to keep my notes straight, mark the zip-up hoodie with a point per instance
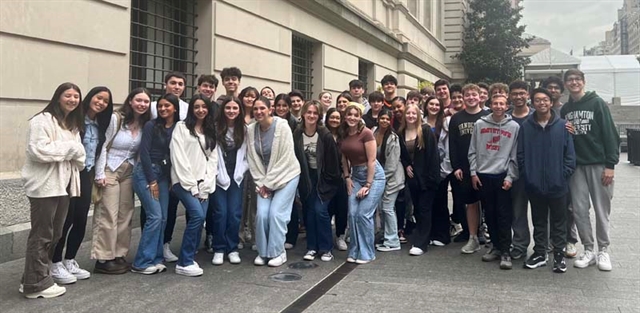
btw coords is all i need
(546, 158)
(596, 139)
(493, 148)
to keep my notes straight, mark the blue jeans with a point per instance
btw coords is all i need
(272, 217)
(197, 210)
(318, 223)
(389, 219)
(151, 240)
(361, 212)
(227, 212)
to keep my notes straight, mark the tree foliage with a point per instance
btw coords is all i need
(492, 40)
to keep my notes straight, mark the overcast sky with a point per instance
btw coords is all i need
(570, 24)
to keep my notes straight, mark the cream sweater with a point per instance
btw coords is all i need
(189, 165)
(283, 165)
(55, 157)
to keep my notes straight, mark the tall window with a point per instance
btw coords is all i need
(426, 20)
(363, 73)
(301, 62)
(413, 7)
(162, 41)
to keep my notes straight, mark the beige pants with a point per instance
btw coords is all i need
(112, 216)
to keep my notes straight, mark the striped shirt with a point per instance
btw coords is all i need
(123, 149)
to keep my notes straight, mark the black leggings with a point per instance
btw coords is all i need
(76, 220)
(338, 207)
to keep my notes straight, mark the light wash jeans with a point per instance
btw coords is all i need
(272, 218)
(389, 219)
(361, 212)
(151, 240)
(197, 210)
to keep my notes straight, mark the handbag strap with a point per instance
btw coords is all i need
(202, 148)
(118, 125)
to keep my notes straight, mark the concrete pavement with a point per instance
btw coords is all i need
(443, 280)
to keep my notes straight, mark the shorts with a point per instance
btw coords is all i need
(464, 190)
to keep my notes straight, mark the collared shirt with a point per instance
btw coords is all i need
(90, 142)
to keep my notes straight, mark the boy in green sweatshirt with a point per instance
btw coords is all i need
(596, 142)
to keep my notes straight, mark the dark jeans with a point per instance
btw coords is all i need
(318, 221)
(226, 218)
(293, 227)
(422, 210)
(498, 210)
(338, 207)
(193, 230)
(47, 220)
(440, 213)
(401, 208)
(547, 212)
(171, 217)
(76, 220)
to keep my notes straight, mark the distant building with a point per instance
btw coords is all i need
(624, 37)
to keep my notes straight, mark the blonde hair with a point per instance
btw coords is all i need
(418, 122)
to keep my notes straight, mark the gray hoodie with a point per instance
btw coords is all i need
(493, 148)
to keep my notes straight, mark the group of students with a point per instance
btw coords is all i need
(252, 159)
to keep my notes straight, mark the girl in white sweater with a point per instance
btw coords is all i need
(276, 172)
(194, 159)
(54, 158)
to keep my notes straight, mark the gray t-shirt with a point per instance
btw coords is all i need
(310, 144)
(264, 141)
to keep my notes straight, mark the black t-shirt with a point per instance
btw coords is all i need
(460, 131)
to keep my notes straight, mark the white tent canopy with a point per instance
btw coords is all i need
(613, 76)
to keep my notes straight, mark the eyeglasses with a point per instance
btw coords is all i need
(541, 101)
(519, 94)
(573, 79)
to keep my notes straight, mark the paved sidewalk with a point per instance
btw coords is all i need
(443, 280)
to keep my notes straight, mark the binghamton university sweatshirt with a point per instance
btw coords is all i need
(494, 146)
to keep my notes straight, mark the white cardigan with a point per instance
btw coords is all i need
(224, 181)
(55, 157)
(189, 163)
(283, 165)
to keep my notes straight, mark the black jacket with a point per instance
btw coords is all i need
(329, 170)
(426, 161)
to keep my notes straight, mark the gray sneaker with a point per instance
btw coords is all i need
(517, 254)
(491, 255)
(471, 247)
(505, 262)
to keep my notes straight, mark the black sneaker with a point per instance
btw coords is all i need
(208, 243)
(536, 260)
(505, 262)
(559, 265)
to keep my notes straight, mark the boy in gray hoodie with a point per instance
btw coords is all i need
(493, 164)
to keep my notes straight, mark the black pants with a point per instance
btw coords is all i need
(422, 210)
(76, 221)
(440, 213)
(459, 214)
(338, 208)
(547, 212)
(401, 208)
(496, 203)
(293, 228)
(171, 217)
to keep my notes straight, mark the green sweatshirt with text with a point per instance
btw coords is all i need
(596, 138)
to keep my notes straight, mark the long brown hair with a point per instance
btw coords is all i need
(343, 131)
(74, 121)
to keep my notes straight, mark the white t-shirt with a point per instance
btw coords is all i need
(184, 108)
(310, 144)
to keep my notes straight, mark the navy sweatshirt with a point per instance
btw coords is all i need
(546, 157)
(154, 148)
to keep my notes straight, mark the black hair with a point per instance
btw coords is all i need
(244, 92)
(356, 83)
(443, 82)
(211, 79)
(230, 72)
(282, 97)
(553, 80)
(264, 100)
(414, 94)
(455, 88)
(238, 124)
(126, 111)
(483, 85)
(267, 87)
(296, 93)
(175, 74)
(518, 84)
(326, 117)
(385, 137)
(540, 90)
(389, 79)
(208, 128)
(345, 95)
(74, 121)
(376, 96)
(399, 98)
(158, 128)
(103, 119)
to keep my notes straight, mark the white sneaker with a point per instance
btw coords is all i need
(161, 267)
(259, 261)
(145, 271)
(167, 254)
(234, 257)
(587, 258)
(51, 292)
(75, 270)
(604, 261)
(61, 275)
(472, 246)
(310, 255)
(279, 260)
(327, 257)
(341, 244)
(437, 243)
(192, 270)
(288, 246)
(415, 251)
(351, 260)
(364, 261)
(218, 258)
(570, 251)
